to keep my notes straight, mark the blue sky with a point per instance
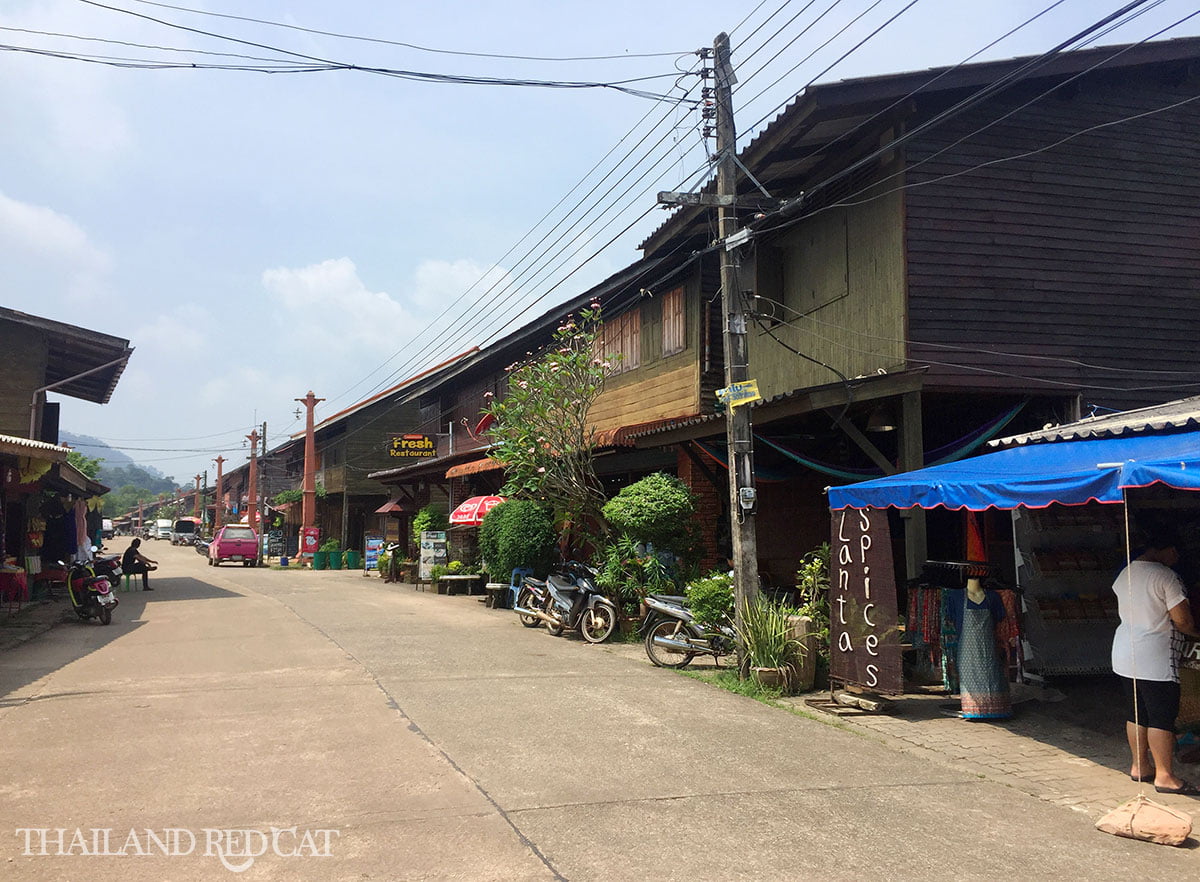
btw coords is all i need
(256, 236)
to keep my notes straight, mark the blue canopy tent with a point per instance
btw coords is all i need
(1037, 475)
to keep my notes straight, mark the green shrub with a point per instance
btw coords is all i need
(766, 635)
(437, 571)
(711, 599)
(627, 575)
(331, 545)
(432, 517)
(812, 584)
(517, 533)
(658, 509)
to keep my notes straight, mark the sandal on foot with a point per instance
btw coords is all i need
(1145, 779)
(1187, 788)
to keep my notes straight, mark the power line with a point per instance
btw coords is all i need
(497, 265)
(414, 46)
(1058, 85)
(422, 76)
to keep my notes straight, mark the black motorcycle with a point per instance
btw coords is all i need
(567, 599)
(673, 637)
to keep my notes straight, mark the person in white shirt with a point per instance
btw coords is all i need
(1154, 610)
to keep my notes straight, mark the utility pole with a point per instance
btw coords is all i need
(196, 507)
(308, 510)
(252, 502)
(261, 508)
(738, 438)
(219, 508)
(204, 502)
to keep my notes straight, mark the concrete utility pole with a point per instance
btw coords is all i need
(308, 510)
(196, 508)
(219, 508)
(252, 502)
(739, 443)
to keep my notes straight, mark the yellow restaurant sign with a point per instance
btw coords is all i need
(410, 446)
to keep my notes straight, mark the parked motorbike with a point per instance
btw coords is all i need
(91, 594)
(673, 637)
(201, 546)
(570, 599)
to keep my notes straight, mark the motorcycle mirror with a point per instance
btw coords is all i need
(94, 549)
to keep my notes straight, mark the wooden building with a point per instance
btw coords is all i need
(956, 248)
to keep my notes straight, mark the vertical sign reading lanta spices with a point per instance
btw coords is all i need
(864, 640)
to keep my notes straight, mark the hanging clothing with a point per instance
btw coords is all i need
(951, 601)
(982, 674)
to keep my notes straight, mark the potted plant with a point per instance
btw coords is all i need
(768, 642)
(333, 549)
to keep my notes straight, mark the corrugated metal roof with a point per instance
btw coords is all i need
(1180, 415)
(15, 446)
(76, 357)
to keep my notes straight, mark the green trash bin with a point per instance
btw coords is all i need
(354, 560)
(320, 560)
(335, 560)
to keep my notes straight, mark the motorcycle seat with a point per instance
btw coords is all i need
(536, 583)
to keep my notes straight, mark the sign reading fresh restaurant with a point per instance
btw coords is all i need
(411, 446)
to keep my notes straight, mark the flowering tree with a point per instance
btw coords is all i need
(541, 434)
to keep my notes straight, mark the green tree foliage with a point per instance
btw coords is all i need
(432, 517)
(711, 599)
(517, 533)
(541, 434)
(658, 509)
(89, 465)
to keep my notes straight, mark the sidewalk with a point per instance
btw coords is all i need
(33, 618)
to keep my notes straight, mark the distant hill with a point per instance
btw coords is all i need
(118, 468)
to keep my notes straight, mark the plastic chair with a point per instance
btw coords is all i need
(514, 584)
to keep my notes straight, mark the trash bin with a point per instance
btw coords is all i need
(283, 561)
(335, 560)
(320, 560)
(354, 560)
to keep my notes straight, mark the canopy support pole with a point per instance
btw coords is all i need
(912, 457)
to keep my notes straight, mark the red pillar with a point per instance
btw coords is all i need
(219, 508)
(308, 510)
(252, 503)
(141, 519)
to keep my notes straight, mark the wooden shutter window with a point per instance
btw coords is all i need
(673, 328)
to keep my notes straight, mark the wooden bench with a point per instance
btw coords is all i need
(466, 583)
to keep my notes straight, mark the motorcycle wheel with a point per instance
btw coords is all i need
(661, 656)
(555, 630)
(525, 600)
(597, 624)
(105, 615)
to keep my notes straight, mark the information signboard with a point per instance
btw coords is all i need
(411, 446)
(433, 551)
(864, 637)
(373, 547)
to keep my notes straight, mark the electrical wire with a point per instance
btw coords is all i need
(981, 95)
(414, 46)
(849, 200)
(974, 350)
(496, 266)
(422, 76)
(900, 102)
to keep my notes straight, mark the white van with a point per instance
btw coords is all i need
(162, 528)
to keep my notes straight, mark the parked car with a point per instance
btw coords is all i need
(185, 531)
(234, 542)
(162, 528)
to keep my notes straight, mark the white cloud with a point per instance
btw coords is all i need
(48, 242)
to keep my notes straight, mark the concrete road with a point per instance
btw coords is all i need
(283, 725)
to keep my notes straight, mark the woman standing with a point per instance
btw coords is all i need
(1154, 613)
